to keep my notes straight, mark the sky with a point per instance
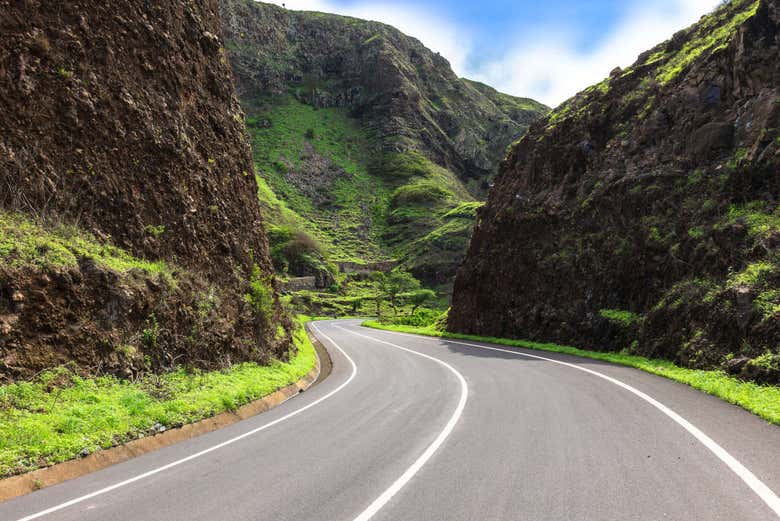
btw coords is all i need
(543, 49)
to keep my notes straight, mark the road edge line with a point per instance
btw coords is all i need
(203, 452)
(766, 494)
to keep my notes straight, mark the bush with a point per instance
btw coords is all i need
(619, 316)
(295, 251)
(423, 317)
(261, 294)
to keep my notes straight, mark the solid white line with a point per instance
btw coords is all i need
(399, 483)
(759, 487)
(205, 451)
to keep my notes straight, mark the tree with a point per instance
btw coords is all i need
(392, 285)
(376, 278)
(419, 298)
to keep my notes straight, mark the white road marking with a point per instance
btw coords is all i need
(399, 483)
(205, 451)
(759, 487)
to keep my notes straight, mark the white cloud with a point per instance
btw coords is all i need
(548, 64)
(551, 68)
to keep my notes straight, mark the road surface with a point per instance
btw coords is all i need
(411, 428)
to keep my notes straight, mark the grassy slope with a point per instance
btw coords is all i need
(281, 128)
(373, 206)
(761, 400)
(59, 415)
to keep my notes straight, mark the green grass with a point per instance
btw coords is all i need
(465, 210)
(24, 243)
(760, 220)
(58, 415)
(713, 34)
(372, 206)
(420, 193)
(763, 401)
(754, 274)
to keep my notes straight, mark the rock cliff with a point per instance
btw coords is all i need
(122, 138)
(643, 213)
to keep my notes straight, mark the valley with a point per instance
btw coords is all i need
(259, 262)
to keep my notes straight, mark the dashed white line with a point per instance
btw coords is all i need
(399, 483)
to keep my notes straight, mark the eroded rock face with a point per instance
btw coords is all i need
(122, 119)
(653, 193)
(127, 118)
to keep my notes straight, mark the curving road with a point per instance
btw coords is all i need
(420, 429)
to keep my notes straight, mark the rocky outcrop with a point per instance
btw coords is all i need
(122, 120)
(643, 213)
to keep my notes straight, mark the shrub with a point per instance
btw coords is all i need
(294, 250)
(619, 316)
(261, 294)
(151, 334)
(155, 231)
(755, 274)
(422, 317)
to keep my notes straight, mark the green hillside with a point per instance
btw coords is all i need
(367, 147)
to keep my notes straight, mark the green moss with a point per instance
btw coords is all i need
(768, 303)
(59, 414)
(655, 234)
(619, 316)
(261, 294)
(768, 361)
(739, 157)
(696, 232)
(155, 231)
(464, 210)
(755, 274)
(696, 177)
(761, 221)
(26, 243)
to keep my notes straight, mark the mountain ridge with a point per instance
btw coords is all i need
(333, 100)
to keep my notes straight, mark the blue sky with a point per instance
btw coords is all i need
(545, 49)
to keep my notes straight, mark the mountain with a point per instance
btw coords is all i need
(365, 140)
(130, 232)
(643, 213)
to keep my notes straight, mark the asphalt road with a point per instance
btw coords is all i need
(410, 428)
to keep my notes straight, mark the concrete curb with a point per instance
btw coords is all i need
(22, 484)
